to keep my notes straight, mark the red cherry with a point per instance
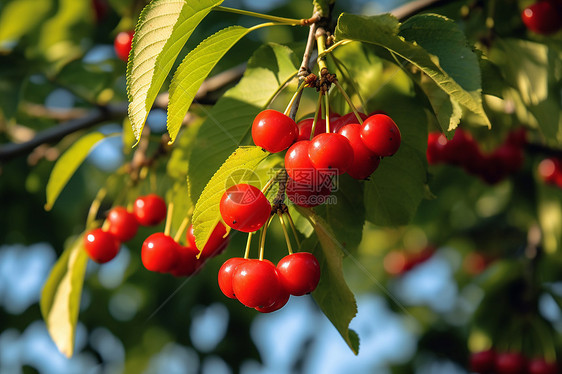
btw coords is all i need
(280, 300)
(225, 275)
(549, 170)
(395, 262)
(274, 131)
(187, 263)
(436, 143)
(306, 195)
(517, 137)
(460, 150)
(305, 128)
(299, 273)
(122, 223)
(542, 17)
(244, 207)
(540, 366)
(149, 210)
(330, 153)
(483, 362)
(216, 243)
(510, 156)
(493, 169)
(365, 162)
(122, 44)
(101, 246)
(347, 119)
(159, 252)
(381, 135)
(255, 283)
(475, 263)
(510, 363)
(299, 167)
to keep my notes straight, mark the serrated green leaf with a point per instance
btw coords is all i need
(447, 110)
(397, 187)
(229, 122)
(194, 69)
(60, 298)
(164, 27)
(238, 168)
(333, 295)
(67, 165)
(432, 43)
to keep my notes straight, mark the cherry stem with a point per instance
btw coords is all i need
(292, 101)
(303, 70)
(182, 228)
(248, 242)
(168, 226)
(327, 112)
(262, 239)
(318, 109)
(345, 73)
(95, 207)
(105, 225)
(344, 94)
(334, 46)
(321, 44)
(283, 20)
(294, 229)
(289, 247)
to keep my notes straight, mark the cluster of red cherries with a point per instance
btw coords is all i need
(543, 17)
(492, 362)
(160, 252)
(550, 170)
(462, 150)
(261, 285)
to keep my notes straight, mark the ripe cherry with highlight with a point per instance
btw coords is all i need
(101, 246)
(149, 210)
(381, 135)
(122, 223)
(299, 273)
(244, 207)
(159, 253)
(274, 131)
(122, 44)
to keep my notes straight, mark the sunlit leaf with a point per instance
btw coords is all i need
(229, 122)
(332, 294)
(238, 168)
(164, 27)
(13, 26)
(60, 298)
(67, 165)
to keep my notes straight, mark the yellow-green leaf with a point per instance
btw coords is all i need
(238, 168)
(67, 165)
(60, 298)
(164, 27)
(194, 69)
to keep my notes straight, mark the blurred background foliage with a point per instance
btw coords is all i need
(488, 265)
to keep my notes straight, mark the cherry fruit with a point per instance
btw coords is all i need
(225, 275)
(256, 283)
(365, 162)
(540, 366)
(299, 273)
(298, 164)
(187, 263)
(216, 243)
(510, 363)
(102, 246)
(347, 119)
(543, 17)
(159, 253)
(483, 362)
(122, 223)
(281, 299)
(330, 153)
(305, 128)
(149, 210)
(244, 207)
(274, 131)
(122, 44)
(381, 135)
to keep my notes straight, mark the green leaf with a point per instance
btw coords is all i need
(397, 187)
(60, 298)
(238, 168)
(67, 165)
(333, 295)
(164, 27)
(229, 122)
(322, 6)
(194, 69)
(346, 212)
(447, 110)
(432, 43)
(13, 26)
